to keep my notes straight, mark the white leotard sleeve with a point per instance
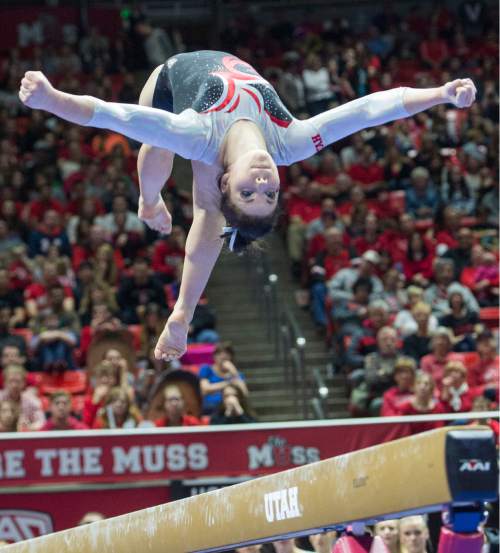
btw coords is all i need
(305, 138)
(186, 134)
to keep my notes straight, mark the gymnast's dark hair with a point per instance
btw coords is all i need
(249, 227)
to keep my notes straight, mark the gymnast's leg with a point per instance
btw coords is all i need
(154, 166)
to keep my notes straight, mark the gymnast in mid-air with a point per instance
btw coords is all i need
(217, 111)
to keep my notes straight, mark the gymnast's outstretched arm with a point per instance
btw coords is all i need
(186, 134)
(307, 137)
(203, 247)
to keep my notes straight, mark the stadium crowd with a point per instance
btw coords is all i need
(393, 232)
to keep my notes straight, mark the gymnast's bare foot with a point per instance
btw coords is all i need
(156, 216)
(172, 341)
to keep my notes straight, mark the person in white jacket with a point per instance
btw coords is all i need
(217, 111)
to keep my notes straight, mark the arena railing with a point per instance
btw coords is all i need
(283, 330)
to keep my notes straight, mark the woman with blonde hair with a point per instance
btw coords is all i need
(105, 266)
(118, 412)
(98, 293)
(413, 535)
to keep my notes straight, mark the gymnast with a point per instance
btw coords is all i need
(217, 111)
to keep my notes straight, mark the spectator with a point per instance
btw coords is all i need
(327, 219)
(340, 286)
(367, 172)
(404, 376)
(461, 255)
(49, 234)
(404, 322)
(291, 86)
(105, 267)
(36, 295)
(318, 89)
(393, 293)
(9, 416)
(484, 372)
(417, 344)
(388, 530)
(396, 241)
(417, 265)
(60, 414)
(120, 206)
(456, 192)
(369, 240)
(157, 44)
(460, 320)
(118, 412)
(97, 293)
(11, 298)
(413, 534)
(377, 376)
(7, 337)
(433, 50)
(233, 409)
(323, 542)
(105, 377)
(441, 345)
(136, 291)
(168, 255)
(175, 413)
(436, 294)
(327, 263)
(214, 378)
(423, 403)
(455, 393)
(421, 197)
(350, 314)
(31, 415)
(55, 334)
(486, 280)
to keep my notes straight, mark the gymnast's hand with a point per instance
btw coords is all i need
(460, 92)
(36, 91)
(156, 216)
(172, 342)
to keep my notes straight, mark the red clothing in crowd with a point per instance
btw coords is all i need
(38, 292)
(396, 243)
(305, 210)
(407, 409)
(435, 367)
(366, 174)
(484, 373)
(36, 209)
(81, 254)
(187, 420)
(166, 258)
(434, 50)
(423, 267)
(466, 400)
(362, 245)
(90, 410)
(445, 237)
(393, 399)
(72, 424)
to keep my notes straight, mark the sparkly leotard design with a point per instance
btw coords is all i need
(209, 81)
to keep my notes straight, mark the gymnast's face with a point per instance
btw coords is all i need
(253, 183)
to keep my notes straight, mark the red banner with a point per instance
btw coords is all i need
(28, 515)
(166, 454)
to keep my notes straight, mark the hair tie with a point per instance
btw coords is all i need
(230, 231)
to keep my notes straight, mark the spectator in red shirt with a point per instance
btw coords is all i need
(455, 395)
(396, 240)
(35, 210)
(118, 412)
(404, 376)
(368, 173)
(433, 50)
(441, 345)
(60, 414)
(423, 403)
(327, 171)
(168, 255)
(418, 263)
(327, 263)
(175, 414)
(105, 377)
(447, 235)
(369, 239)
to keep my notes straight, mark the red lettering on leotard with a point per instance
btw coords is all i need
(318, 142)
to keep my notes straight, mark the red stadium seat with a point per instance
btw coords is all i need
(489, 316)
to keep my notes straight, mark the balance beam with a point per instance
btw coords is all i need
(422, 473)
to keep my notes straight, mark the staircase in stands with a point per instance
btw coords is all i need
(239, 320)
